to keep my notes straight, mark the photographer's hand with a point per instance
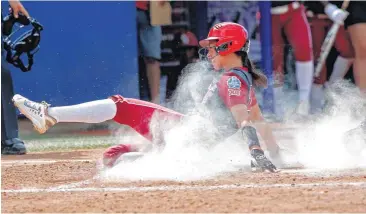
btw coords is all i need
(17, 8)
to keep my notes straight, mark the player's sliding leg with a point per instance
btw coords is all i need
(131, 112)
(138, 115)
(44, 117)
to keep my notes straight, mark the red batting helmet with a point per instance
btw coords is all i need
(231, 37)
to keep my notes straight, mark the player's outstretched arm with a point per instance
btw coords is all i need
(249, 133)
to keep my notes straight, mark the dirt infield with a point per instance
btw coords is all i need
(67, 182)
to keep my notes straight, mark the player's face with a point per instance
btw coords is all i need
(214, 57)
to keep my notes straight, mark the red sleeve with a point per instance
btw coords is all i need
(233, 90)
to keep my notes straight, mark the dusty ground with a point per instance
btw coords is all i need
(67, 182)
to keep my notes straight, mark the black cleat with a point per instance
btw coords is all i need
(13, 147)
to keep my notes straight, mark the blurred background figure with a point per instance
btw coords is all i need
(356, 26)
(10, 142)
(149, 40)
(186, 50)
(289, 22)
(320, 23)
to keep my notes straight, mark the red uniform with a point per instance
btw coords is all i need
(231, 97)
(231, 89)
(288, 18)
(226, 90)
(320, 24)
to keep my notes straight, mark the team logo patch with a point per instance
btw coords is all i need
(234, 85)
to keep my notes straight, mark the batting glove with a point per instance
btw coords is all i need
(335, 14)
(261, 162)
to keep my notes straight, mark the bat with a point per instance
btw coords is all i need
(328, 43)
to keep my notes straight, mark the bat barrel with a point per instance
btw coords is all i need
(325, 49)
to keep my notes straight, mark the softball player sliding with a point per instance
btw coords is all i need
(232, 94)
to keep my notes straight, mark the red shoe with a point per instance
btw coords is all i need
(111, 155)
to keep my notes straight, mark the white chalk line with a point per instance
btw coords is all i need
(186, 187)
(97, 177)
(20, 162)
(73, 187)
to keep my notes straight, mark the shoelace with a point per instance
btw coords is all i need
(45, 104)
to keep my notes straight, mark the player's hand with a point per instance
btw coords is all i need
(17, 7)
(261, 162)
(335, 14)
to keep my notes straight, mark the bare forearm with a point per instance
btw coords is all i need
(266, 133)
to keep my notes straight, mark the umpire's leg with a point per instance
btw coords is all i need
(10, 144)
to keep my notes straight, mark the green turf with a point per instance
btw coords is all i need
(66, 138)
(66, 143)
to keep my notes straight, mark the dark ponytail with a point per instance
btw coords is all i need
(259, 79)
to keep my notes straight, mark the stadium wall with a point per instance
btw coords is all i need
(88, 51)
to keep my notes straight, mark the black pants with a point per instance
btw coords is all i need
(9, 122)
(357, 13)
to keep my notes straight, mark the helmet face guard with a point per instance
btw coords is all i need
(222, 49)
(27, 42)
